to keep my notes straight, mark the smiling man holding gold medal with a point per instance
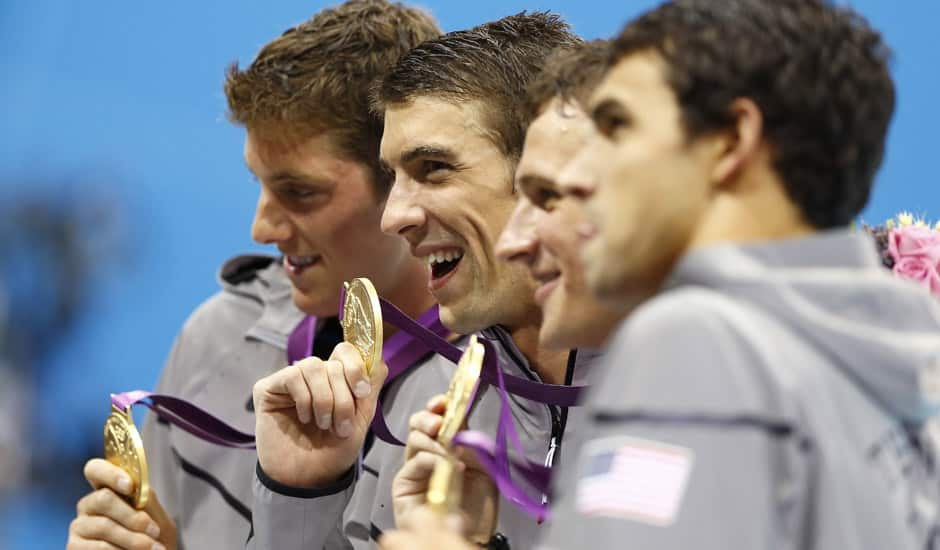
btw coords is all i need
(452, 195)
(541, 236)
(312, 144)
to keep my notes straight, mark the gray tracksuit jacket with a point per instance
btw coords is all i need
(233, 339)
(355, 510)
(777, 395)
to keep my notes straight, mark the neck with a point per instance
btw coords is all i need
(551, 365)
(760, 211)
(410, 295)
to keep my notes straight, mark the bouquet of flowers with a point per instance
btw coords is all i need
(910, 247)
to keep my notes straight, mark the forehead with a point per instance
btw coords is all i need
(271, 144)
(428, 121)
(554, 136)
(638, 80)
(269, 155)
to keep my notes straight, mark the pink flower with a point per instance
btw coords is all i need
(920, 271)
(916, 254)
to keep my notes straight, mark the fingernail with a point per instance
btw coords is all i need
(304, 416)
(344, 428)
(124, 484)
(324, 421)
(362, 389)
(153, 531)
(157, 546)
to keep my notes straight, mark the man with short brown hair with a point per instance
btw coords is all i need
(312, 144)
(459, 121)
(542, 232)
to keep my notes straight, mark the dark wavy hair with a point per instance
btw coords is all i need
(818, 73)
(491, 63)
(570, 73)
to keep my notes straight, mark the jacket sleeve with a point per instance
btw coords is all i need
(286, 518)
(686, 445)
(163, 469)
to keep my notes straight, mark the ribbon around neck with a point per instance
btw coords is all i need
(401, 351)
(494, 455)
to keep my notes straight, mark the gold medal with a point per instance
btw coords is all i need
(362, 321)
(445, 485)
(124, 448)
(461, 390)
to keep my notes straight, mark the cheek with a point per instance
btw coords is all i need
(567, 254)
(353, 228)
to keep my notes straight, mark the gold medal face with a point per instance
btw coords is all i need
(445, 485)
(461, 390)
(362, 321)
(124, 448)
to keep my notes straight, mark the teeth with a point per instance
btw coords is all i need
(301, 261)
(443, 256)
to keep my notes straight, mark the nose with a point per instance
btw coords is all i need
(518, 242)
(577, 178)
(403, 213)
(271, 225)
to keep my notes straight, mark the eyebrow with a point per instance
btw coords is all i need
(288, 176)
(427, 152)
(535, 180)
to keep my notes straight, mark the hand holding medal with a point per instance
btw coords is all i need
(445, 485)
(124, 448)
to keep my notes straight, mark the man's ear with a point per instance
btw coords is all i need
(741, 143)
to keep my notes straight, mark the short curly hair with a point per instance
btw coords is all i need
(316, 76)
(818, 73)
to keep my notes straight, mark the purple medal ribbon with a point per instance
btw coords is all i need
(414, 340)
(400, 352)
(549, 394)
(494, 454)
(188, 417)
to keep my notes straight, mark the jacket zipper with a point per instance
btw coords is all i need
(559, 419)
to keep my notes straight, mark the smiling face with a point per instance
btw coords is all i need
(322, 213)
(653, 184)
(452, 196)
(542, 232)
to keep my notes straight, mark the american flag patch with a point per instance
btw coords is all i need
(631, 478)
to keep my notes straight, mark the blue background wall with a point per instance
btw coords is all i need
(122, 101)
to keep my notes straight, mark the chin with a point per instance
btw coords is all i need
(461, 319)
(315, 304)
(551, 338)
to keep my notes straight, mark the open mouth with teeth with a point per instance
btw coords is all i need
(443, 263)
(296, 264)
